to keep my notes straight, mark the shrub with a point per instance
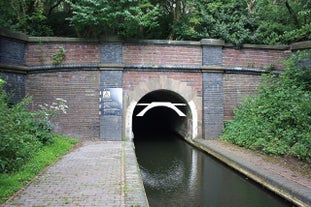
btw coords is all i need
(278, 119)
(22, 133)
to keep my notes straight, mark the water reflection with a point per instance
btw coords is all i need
(176, 174)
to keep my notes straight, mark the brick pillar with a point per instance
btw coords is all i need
(12, 61)
(213, 100)
(111, 95)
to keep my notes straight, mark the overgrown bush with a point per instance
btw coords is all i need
(22, 133)
(278, 119)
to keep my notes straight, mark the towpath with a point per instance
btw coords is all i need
(99, 173)
(283, 178)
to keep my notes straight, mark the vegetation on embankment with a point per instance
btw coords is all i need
(277, 120)
(47, 155)
(27, 144)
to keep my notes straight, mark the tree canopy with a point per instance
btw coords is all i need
(235, 21)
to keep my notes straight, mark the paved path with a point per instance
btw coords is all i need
(98, 173)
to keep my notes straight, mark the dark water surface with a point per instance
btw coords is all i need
(177, 174)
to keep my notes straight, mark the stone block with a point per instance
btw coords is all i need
(12, 52)
(111, 128)
(111, 53)
(212, 55)
(15, 85)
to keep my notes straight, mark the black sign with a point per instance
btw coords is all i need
(111, 101)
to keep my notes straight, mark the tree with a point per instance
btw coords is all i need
(127, 18)
(36, 17)
(283, 21)
(228, 20)
(246, 21)
(25, 16)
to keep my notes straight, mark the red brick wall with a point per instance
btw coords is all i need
(153, 55)
(162, 55)
(80, 89)
(253, 58)
(131, 79)
(76, 53)
(236, 87)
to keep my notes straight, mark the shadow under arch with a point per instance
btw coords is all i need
(162, 118)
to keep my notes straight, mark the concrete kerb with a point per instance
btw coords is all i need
(134, 191)
(291, 191)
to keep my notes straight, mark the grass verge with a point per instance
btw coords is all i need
(11, 183)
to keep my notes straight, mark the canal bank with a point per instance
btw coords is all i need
(107, 174)
(278, 179)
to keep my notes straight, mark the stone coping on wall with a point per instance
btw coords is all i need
(222, 69)
(259, 46)
(62, 67)
(212, 42)
(111, 66)
(121, 67)
(13, 35)
(61, 40)
(163, 42)
(204, 42)
(301, 45)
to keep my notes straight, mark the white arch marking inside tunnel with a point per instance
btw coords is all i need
(159, 104)
(128, 123)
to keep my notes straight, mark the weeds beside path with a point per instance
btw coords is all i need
(13, 182)
(294, 166)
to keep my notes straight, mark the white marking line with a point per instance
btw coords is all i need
(158, 104)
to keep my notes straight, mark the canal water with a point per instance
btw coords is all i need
(177, 174)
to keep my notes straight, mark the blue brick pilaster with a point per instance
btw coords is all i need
(213, 101)
(12, 63)
(111, 95)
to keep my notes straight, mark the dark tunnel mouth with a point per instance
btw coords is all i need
(161, 120)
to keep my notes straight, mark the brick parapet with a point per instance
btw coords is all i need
(254, 58)
(39, 54)
(155, 53)
(162, 55)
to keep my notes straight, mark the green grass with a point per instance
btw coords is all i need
(11, 183)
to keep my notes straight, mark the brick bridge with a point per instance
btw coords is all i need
(108, 82)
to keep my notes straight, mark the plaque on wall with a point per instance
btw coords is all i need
(112, 101)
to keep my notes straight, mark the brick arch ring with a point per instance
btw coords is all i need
(164, 83)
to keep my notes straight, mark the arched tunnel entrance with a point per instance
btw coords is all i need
(161, 112)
